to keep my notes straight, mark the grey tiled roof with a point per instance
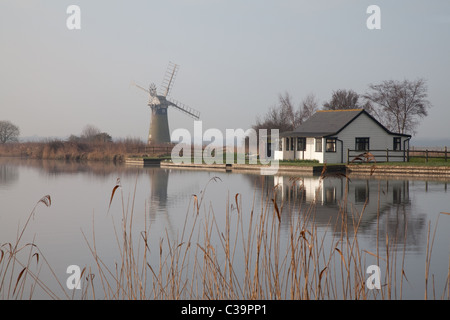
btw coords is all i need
(325, 123)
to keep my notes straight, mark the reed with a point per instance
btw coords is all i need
(21, 264)
(74, 150)
(274, 250)
(234, 254)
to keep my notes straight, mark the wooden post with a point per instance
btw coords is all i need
(387, 155)
(348, 155)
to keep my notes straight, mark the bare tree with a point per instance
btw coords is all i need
(289, 113)
(309, 106)
(89, 132)
(399, 104)
(8, 132)
(285, 116)
(342, 99)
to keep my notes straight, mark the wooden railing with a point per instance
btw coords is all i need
(387, 155)
(153, 149)
(380, 155)
(427, 154)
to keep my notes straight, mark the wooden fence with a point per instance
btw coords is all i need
(396, 155)
(166, 149)
(434, 153)
(153, 149)
(384, 155)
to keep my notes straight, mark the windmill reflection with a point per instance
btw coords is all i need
(159, 203)
(168, 194)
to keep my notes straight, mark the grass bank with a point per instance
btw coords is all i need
(413, 161)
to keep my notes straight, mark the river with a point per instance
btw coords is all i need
(85, 205)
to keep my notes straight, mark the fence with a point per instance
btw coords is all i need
(153, 149)
(384, 155)
(435, 153)
(395, 155)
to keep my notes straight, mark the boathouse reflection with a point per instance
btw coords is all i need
(371, 206)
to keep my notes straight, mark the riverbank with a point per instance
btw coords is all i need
(133, 153)
(301, 169)
(116, 151)
(403, 169)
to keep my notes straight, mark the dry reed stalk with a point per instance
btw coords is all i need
(300, 268)
(12, 286)
(201, 262)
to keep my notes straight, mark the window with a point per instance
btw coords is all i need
(397, 195)
(330, 195)
(330, 145)
(397, 143)
(361, 193)
(301, 144)
(362, 144)
(269, 148)
(292, 144)
(318, 144)
(287, 144)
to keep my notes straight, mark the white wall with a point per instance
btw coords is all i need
(310, 185)
(364, 127)
(308, 154)
(361, 127)
(311, 153)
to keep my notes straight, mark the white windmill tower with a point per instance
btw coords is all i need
(159, 103)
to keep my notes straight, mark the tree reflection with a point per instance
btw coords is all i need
(376, 208)
(8, 174)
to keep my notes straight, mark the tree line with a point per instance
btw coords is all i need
(9, 132)
(398, 105)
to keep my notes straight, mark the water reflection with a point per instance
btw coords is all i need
(159, 205)
(382, 208)
(8, 175)
(60, 167)
(377, 209)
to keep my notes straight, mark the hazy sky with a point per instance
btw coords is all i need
(235, 57)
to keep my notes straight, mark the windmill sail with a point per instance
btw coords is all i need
(142, 88)
(184, 108)
(169, 79)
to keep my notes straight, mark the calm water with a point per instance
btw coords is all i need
(161, 199)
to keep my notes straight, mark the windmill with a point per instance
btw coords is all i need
(159, 102)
